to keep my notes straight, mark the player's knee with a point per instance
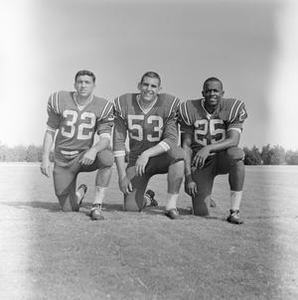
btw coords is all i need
(130, 203)
(177, 153)
(235, 154)
(105, 159)
(200, 207)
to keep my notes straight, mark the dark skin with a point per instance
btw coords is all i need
(212, 92)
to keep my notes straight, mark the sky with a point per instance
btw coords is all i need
(252, 46)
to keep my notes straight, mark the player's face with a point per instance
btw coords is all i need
(149, 88)
(84, 85)
(213, 92)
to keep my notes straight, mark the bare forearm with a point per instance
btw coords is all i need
(47, 143)
(102, 144)
(154, 151)
(231, 141)
(186, 145)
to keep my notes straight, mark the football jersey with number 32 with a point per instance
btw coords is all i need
(77, 125)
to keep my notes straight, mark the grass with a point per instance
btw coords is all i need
(47, 254)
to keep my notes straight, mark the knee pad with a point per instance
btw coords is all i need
(235, 153)
(105, 159)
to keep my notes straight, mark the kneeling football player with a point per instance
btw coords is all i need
(210, 132)
(149, 118)
(74, 118)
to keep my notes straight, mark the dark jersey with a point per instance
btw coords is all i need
(77, 125)
(145, 128)
(207, 128)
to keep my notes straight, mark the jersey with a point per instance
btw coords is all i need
(77, 125)
(145, 128)
(207, 128)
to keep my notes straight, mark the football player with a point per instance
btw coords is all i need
(74, 119)
(150, 119)
(210, 132)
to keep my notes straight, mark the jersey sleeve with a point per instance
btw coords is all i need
(54, 113)
(183, 118)
(170, 133)
(120, 130)
(237, 116)
(106, 120)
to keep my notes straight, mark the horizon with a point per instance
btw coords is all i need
(251, 46)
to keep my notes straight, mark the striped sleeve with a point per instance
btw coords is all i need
(120, 130)
(54, 112)
(170, 133)
(106, 120)
(184, 119)
(237, 115)
(183, 115)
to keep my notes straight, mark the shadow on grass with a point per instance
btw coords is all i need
(54, 207)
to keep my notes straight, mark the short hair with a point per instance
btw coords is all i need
(151, 74)
(85, 72)
(212, 79)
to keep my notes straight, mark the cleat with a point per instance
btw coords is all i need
(234, 217)
(84, 187)
(96, 213)
(149, 198)
(172, 214)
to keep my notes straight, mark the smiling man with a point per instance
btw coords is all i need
(211, 128)
(150, 119)
(74, 119)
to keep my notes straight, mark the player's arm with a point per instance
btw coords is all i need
(169, 139)
(53, 124)
(187, 132)
(119, 137)
(48, 142)
(190, 185)
(104, 131)
(232, 140)
(143, 159)
(103, 143)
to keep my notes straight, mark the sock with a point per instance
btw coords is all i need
(99, 194)
(235, 199)
(171, 201)
(80, 194)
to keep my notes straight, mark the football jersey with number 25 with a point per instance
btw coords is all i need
(209, 128)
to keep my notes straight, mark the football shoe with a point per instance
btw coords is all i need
(149, 200)
(96, 212)
(234, 217)
(173, 214)
(84, 187)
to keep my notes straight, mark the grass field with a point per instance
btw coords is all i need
(47, 254)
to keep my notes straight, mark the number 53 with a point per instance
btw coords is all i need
(136, 129)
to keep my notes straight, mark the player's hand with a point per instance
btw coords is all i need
(125, 185)
(200, 158)
(89, 157)
(141, 164)
(191, 188)
(45, 166)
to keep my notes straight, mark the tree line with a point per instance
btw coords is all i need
(268, 155)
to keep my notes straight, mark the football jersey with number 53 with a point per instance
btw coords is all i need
(77, 124)
(207, 128)
(146, 128)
